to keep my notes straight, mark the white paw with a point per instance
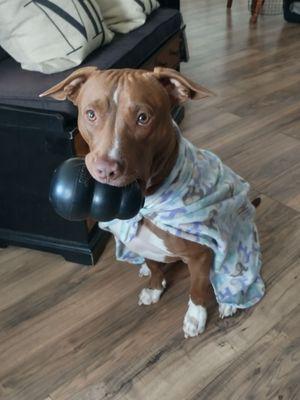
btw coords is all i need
(144, 271)
(226, 310)
(151, 296)
(194, 320)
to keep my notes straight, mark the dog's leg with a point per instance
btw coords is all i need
(144, 270)
(226, 310)
(157, 284)
(195, 317)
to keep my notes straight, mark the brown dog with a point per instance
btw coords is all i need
(125, 118)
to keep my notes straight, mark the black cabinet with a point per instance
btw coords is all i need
(32, 145)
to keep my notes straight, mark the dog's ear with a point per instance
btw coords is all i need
(69, 87)
(180, 88)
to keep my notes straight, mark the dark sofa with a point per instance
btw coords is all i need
(37, 134)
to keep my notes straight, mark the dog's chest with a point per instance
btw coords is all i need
(147, 244)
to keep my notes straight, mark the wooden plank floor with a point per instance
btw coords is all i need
(72, 333)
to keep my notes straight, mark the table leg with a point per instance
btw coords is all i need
(229, 3)
(255, 8)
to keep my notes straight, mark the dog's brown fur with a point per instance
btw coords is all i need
(146, 152)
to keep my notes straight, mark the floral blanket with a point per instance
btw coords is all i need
(204, 201)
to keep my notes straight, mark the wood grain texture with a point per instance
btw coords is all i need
(69, 332)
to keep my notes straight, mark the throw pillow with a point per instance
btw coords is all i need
(123, 16)
(51, 35)
(148, 5)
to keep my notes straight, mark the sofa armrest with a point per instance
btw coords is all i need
(170, 3)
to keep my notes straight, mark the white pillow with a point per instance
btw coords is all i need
(123, 16)
(51, 35)
(150, 5)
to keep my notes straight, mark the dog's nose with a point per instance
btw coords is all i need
(108, 168)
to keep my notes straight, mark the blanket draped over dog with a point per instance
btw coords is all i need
(204, 201)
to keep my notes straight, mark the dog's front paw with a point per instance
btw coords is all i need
(194, 320)
(226, 310)
(151, 296)
(144, 270)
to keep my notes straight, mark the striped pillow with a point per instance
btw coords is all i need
(123, 16)
(51, 35)
(148, 5)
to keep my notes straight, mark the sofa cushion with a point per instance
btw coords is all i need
(51, 36)
(21, 88)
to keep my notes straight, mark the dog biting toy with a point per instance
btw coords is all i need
(75, 195)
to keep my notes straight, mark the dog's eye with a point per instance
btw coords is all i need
(143, 119)
(91, 115)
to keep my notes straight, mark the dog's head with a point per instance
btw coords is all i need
(125, 117)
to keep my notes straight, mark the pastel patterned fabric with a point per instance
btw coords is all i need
(204, 201)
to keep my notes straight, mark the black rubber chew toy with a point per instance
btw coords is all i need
(75, 195)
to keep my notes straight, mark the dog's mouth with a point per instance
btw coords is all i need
(121, 181)
(127, 177)
(118, 182)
